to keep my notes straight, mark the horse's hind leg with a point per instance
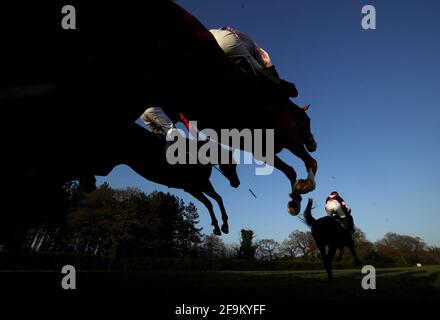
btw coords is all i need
(293, 206)
(210, 191)
(341, 253)
(288, 171)
(305, 186)
(328, 253)
(203, 199)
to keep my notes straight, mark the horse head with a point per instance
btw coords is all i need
(230, 172)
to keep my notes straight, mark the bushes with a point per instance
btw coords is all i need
(55, 261)
(50, 261)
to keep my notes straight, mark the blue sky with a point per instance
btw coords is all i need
(375, 113)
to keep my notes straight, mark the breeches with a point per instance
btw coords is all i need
(334, 207)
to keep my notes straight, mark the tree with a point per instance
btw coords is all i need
(98, 223)
(247, 248)
(33, 200)
(129, 222)
(299, 244)
(267, 249)
(402, 249)
(364, 248)
(213, 246)
(433, 255)
(188, 236)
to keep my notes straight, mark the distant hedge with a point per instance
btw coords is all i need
(55, 261)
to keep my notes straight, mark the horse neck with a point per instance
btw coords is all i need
(236, 119)
(228, 170)
(310, 220)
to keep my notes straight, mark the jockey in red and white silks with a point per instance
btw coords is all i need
(334, 204)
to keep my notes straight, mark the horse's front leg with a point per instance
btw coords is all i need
(198, 194)
(293, 206)
(304, 186)
(288, 171)
(341, 253)
(210, 191)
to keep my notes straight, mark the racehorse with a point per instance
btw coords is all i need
(329, 235)
(145, 153)
(64, 93)
(292, 131)
(247, 102)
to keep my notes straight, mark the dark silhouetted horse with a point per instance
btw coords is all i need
(292, 131)
(145, 153)
(66, 95)
(329, 235)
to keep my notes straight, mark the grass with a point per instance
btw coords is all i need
(157, 295)
(396, 284)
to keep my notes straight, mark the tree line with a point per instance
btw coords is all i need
(119, 224)
(127, 222)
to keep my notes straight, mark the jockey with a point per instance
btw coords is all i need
(236, 44)
(157, 121)
(335, 205)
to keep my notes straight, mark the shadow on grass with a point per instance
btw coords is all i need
(257, 286)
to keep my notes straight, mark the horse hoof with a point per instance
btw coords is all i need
(295, 196)
(225, 229)
(294, 207)
(304, 186)
(217, 232)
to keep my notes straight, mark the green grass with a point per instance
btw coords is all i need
(396, 284)
(391, 284)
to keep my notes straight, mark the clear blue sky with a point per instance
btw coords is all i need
(375, 113)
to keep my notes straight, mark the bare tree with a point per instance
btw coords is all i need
(434, 254)
(213, 246)
(267, 249)
(299, 244)
(401, 248)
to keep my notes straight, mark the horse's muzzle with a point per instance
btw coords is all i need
(311, 145)
(235, 183)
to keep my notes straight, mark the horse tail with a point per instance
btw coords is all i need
(308, 213)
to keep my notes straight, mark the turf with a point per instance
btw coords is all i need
(396, 284)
